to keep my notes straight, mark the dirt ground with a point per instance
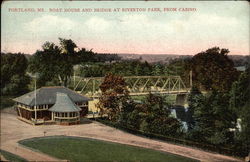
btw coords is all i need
(13, 130)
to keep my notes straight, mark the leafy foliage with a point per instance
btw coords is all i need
(114, 95)
(14, 79)
(153, 116)
(56, 62)
(240, 92)
(240, 105)
(244, 138)
(135, 68)
(180, 67)
(213, 118)
(194, 101)
(213, 70)
(125, 68)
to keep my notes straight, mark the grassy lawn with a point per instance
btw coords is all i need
(84, 149)
(12, 157)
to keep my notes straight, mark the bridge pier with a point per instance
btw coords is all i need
(181, 100)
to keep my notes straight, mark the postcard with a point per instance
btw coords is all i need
(125, 80)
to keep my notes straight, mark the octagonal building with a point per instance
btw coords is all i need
(52, 105)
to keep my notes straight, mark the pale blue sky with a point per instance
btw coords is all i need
(223, 23)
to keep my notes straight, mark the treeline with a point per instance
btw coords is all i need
(131, 68)
(53, 65)
(240, 60)
(56, 64)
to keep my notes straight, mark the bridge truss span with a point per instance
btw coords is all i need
(137, 85)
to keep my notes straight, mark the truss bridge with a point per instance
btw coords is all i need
(137, 85)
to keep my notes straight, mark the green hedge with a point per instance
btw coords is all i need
(208, 147)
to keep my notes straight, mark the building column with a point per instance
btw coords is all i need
(52, 116)
(18, 109)
(35, 112)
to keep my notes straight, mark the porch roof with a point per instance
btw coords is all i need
(64, 104)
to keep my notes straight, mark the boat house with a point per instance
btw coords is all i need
(58, 105)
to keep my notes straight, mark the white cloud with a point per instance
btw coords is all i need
(205, 28)
(50, 24)
(97, 24)
(144, 27)
(189, 29)
(142, 22)
(136, 18)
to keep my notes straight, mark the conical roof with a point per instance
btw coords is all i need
(64, 104)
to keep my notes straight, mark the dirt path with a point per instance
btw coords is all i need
(13, 130)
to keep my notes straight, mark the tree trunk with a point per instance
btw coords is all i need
(60, 79)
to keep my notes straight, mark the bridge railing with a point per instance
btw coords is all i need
(137, 85)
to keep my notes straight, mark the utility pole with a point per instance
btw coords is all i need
(191, 78)
(35, 101)
(74, 78)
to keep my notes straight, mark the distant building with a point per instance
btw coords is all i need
(241, 68)
(52, 105)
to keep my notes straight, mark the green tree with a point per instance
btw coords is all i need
(114, 96)
(157, 69)
(213, 70)
(138, 70)
(213, 119)
(243, 136)
(180, 67)
(130, 115)
(56, 62)
(156, 117)
(223, 119)
(147, 69)
(14, 79)
(240, 105)
(17, 85)
(194, 101)
(240, 92)
(67, 46)
(46, 62)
